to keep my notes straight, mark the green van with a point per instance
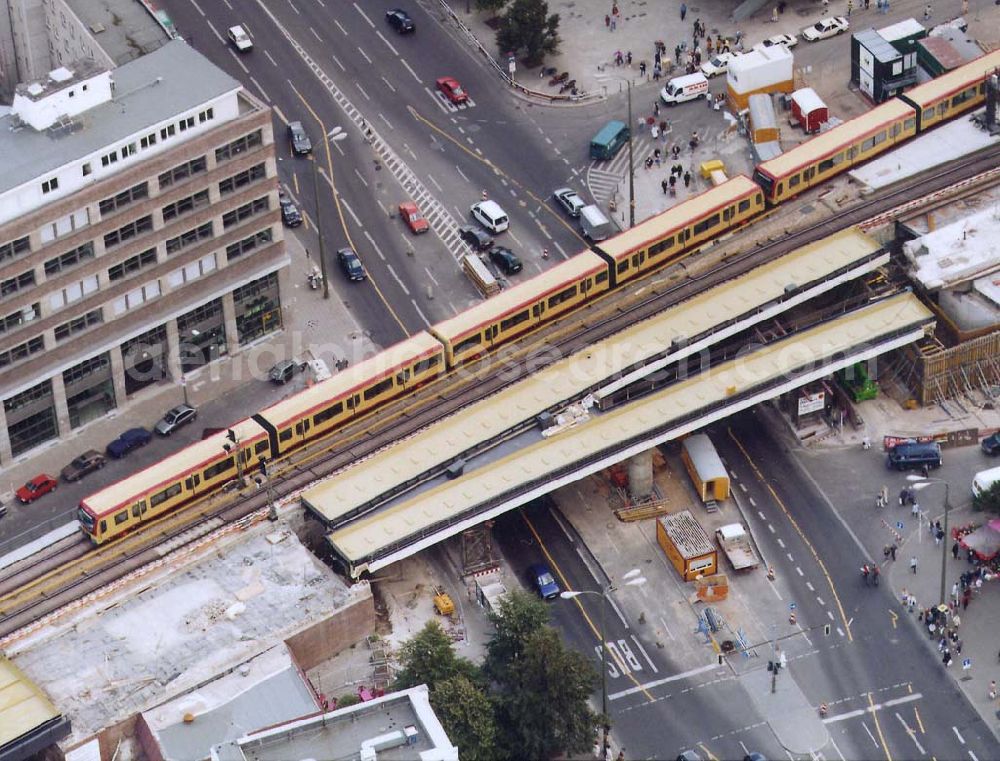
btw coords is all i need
(609, 141)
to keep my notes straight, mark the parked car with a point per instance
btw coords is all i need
(452, 90)
(240, 39)
(83, 465)
(301, 144)
(717, 65)
(788, 40)
(175, 418)
(133, 438)
(400, 21)
(545, 584)
(37, 487)
(351, 264)
(827, 27)
(285, 370)
(290, 215)
(506, 260)
(479, 239)
(413, 218)
(570, 200)
(991, 445)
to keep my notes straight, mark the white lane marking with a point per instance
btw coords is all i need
(350, 211)
(421, 313)
(242, 65)
(388, 84)
(870, 735)
(958, 735)
(774, 588)
(407, 66)
(841, 632)
(515, 238)
(761, 515)
(364, 55)
(363, 15)
(431, 277)
(559, 248)
(273, 62)
(830, 616)
(877, 707)
(387, 123)
(215, 32)
(820, 600)
(336, 61)
(771, 528)
(398, 280)
(621, 616)
(660, 682)
(790, 558)
(316, 34)
(360, 177)
(435, 183)
(669, 633)
(781, 544)
(799, 571)
(810, 587)
(362, 90)
(642, 650)
(973, 756)
(341, 27)
(292, 6)
(752, 503)
(375, 246)
(261, 88)
(910, 732)
(394, 51)
(197, 7)
(836, 748)
(459, 170)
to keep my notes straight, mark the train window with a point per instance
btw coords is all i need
(261, 447)
(602, 277)
(104, 526)
(809, 173)
(222, 466)
(379, 388)
(285, 435)
(706, 224)
(927, 114)
(492, 332)
(189, 483)
(661, 246)
(301, 428)
(516, 319)
(403, 376)
(562, 296)
(728, 213)
(585, 285)
(745, 205)
(780, 190)
(332, 411)
(638, 259)
(171, 491)
(910, 123)
(793, 181)
(852, 153)
(424, 365)
(120, 518)
(879, 138)
(622, 266)
(942, 108)
(468, 343)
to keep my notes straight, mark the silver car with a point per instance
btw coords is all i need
(180, 415)
(570, 200)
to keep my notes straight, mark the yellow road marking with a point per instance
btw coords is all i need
(920, 722)
(711, 756)
(894, 617)
(795, 525)
(878, 727)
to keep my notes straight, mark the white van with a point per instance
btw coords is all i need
(984, 479)
(491, 216)
(594, 224)
(688, 87)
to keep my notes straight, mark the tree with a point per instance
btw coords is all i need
(544, 694)
(519, 616)
(527, 27)
(428, 658)
(467, 715)
(988, 499)
(493, 6)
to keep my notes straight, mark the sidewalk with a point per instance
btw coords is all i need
(977, 630)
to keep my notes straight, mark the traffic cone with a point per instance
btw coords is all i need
(545, 253)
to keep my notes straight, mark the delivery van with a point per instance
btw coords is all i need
(688, 87)
(984, 479)
(594, 224)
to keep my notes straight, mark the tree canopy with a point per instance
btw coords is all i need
(490, 5)
(527, 29)
(519, 615)
(988, 499)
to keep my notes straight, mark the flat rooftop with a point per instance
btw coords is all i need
(195, 615)
(963, 250)
(173, 79)
(124, 29)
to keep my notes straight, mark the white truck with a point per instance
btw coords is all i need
(735, 543)
(984, 479)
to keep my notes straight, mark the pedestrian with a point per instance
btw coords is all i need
(913, 602)
(965, 7)
(892, 550)
(915, 510)
(958, 645)
(956, 621)
(614, 22)
(677, 54)
(663, 185)
(642, 68)
(607, 21)
(708, 46)
(993, 690)
(875, 573)
(850, 7)
(867, 4)
(774, 14)
(954, 591)
(885, 6)
(938, 537)
(684, 10)
(954, 550)
(966, 596)
(913, 563)
(946, 659)
(927, 11)
(865, 572)
(628, 58)
(687, 179)
(621, 755)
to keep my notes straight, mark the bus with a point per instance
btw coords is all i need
(609, 141)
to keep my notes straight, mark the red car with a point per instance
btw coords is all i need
(452, 90)
(413, 218)
(37, 487)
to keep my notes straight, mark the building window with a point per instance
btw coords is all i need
(188, 238)
(258, 308)
(73, 292)
(193, 271)
(126, 232)
(49, 185)
(12, 285)
(15, 248)
(236, 250)
(77, 220)
(31, 418)
(126, 197)
(132, 265)
(109, 158)
(167, 132)
(238, 146)
(186, 123)
(90, 389)
(138, 297)
(147, 141)
(20, 317)
(242, 179)
(79, 324)
(244, 212)
(144, 357)
(129, 150)
(183, 171)
(207, 115)
(87, 169)
(185, 205)
(69, 259)
(21, 351)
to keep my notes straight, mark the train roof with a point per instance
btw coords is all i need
(955, 80)
(657, 226)
(386, 362)
(828, 143)
(169, 469)
(521, 295)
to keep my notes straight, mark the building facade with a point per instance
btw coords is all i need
(140, 236)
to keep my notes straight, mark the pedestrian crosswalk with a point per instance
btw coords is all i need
(446, 105)
(604, 178)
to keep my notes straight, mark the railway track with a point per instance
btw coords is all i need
(36, 590)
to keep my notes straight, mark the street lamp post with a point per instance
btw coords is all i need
(920, 482)
(631, 579)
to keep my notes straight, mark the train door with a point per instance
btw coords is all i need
(354, 402)
(302, 428)
(139, 510)
(491, 333)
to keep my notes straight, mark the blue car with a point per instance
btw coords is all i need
(133, 438)
(545, 584)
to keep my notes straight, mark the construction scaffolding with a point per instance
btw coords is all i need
(959, 377)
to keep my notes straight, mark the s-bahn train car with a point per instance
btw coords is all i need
(485, 326)
(836, 151)
(353, 392)
(952, 93)
(655, 241)
(195, 470)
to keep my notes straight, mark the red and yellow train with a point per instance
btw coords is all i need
(659, 240)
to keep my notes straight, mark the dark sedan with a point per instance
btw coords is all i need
(506, 260)
(478, 239)
(400, 21)
(83, 465)
(133, 438)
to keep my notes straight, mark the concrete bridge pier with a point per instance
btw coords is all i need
(640, 476)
